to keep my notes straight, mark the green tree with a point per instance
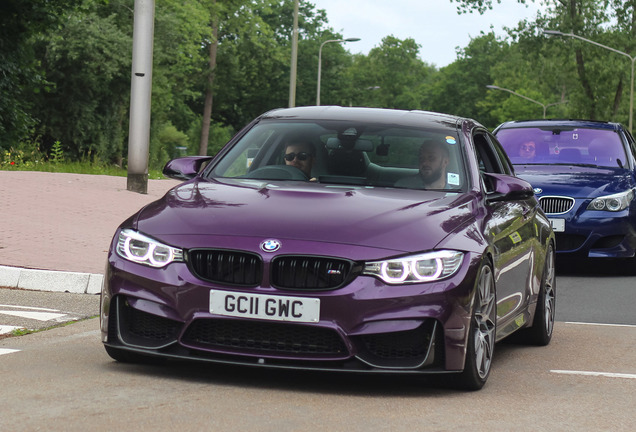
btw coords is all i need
(181, 29)
(87, 63)
(592, 79)
(527, 66)
(391, 76)
(460, 87)
(20, 71)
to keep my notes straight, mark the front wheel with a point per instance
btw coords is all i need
(543, 325)
(481, 338)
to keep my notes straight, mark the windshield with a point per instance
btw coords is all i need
(347, 152)
(563, 145)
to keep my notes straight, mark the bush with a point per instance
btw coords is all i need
(27, 155)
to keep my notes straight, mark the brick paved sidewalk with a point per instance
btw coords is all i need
(65, 222)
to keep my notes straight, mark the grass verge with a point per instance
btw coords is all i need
(23, 332)
(78, 168)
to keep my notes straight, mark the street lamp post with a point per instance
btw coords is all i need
(526, 97)
(320, 61)
(632, 58)
(294, 59)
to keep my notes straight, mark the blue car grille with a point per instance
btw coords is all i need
(556, 205)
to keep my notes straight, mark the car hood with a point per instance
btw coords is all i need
(396, 219)
(576, 181)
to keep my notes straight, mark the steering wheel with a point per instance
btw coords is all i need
(277, 172)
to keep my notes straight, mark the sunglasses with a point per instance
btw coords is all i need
(302, 156)
(527, 147)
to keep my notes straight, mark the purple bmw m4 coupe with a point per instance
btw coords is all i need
(337, 239)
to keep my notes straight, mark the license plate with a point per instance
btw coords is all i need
(268, 307)
(558, 225)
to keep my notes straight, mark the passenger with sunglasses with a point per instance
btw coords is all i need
(301, 155)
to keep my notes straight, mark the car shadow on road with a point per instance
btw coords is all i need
(595, 267)
(328, 383)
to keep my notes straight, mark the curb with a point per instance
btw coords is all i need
(47, 280)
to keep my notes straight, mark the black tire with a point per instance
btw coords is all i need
(540, 333)
(482, 333)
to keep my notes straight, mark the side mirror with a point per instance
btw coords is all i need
(185, 168)
(501, 187)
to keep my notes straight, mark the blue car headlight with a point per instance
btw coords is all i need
(614, 203)
(425, 267)
(136, 247)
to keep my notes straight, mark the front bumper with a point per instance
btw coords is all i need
(596, 234)
(365, 326)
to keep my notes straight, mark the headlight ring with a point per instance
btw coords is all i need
(612, 203)
(426, 267)
(138, 248)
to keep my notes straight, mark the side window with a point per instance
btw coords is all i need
(501, 155)
(488, 158)
(486, 155)
(631, 143)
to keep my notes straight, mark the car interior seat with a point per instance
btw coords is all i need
(570, 155)
(601, 152)
(346, 162)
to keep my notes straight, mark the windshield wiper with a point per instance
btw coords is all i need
(342, 180)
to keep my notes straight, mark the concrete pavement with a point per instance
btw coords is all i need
(57, 227)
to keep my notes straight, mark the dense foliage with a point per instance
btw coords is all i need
(65, 71)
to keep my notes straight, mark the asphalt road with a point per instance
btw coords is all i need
(62, 379)
(585, 380)
(597, 292)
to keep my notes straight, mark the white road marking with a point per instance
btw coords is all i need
(4, 329)
(29, 307)
(601, 324)
(40, 316)
(595, 374)
(7, 351)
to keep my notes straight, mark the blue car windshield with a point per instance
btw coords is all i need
(568, 146)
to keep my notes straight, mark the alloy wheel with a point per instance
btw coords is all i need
(549, 292)
(485, 322)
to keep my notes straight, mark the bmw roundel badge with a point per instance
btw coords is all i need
(537, 191)
(270, 245)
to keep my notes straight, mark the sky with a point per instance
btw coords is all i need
(433, 24)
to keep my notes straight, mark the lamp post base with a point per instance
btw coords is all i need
(138, 183)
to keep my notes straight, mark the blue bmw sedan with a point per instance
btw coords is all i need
(584, 174)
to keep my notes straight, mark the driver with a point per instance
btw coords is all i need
(527, 150)
(300, 155)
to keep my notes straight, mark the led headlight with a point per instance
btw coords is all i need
(424, 267)
(138, 248)
(614, 203)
